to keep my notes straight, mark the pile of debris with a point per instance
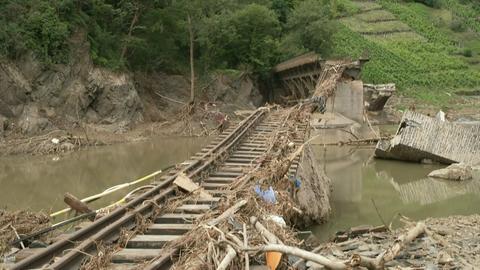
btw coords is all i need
(440, 243)
(15, 224)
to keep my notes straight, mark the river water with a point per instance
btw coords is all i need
(39, 182)
(394, 187)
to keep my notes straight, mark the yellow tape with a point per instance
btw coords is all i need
(108, 191)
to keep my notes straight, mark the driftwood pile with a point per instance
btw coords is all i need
(50, 143)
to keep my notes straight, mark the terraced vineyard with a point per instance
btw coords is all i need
(407, 44)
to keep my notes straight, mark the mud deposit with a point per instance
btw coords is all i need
(395, 187)
(39, 182)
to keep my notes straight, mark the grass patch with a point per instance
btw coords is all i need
(428, 64)
(375, 15)
(398, 37)
(365, 5)
(361, 26)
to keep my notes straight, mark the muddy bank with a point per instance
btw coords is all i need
(78, 104)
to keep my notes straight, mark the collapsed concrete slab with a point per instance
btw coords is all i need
(420, 137)
(376, 95)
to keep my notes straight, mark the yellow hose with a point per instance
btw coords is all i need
(109, 191)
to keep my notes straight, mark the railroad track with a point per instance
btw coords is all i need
(214, 167)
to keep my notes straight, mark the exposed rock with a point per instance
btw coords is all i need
(457, 171)
(115, 98)
(241, 91)
(3, 125)
(14, 88)
(31, 121)
(66, 94)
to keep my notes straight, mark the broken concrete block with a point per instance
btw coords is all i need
(457, 171)
(376, 95)
(421, 137)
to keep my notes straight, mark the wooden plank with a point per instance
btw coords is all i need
(238, 164)
(193, 208)
(210, 186)
(241, 160)
(177, 218)
(224, 180)
(169, 228)
(150, 241)
(133, 255)
(226, 174)
(211, 200)
(122, 266)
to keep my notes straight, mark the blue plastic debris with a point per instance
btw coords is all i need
(267, 195)
(296, 181)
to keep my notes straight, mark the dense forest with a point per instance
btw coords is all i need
(438, 38)
(155, 35)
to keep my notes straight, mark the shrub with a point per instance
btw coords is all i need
(457, 25)
(467, 53)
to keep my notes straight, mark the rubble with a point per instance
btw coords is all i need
(457, 171)
(376, 95)
(421, 137)
(448, 243)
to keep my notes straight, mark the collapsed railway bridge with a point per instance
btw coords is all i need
(224, 161)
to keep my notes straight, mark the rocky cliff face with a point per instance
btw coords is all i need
(34, 98)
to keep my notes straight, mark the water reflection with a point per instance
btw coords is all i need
(395, 187)
(39, 183)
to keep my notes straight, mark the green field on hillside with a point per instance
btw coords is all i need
(428, 52)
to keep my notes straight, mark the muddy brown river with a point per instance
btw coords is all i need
(395, 187)
(38, 183)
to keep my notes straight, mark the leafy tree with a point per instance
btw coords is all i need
(282, 8)
(310, 27)
(246, 36)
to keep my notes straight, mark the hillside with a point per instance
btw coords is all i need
(67, 64)
(428, 52)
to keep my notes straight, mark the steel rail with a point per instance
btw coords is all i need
(106, 226)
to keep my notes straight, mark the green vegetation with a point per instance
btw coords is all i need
(426, 47)
(155, 35)
(427, 62)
